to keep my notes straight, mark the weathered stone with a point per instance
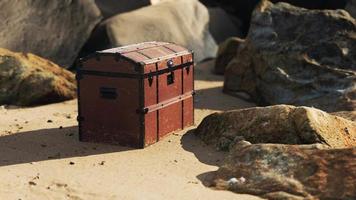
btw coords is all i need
(243, 8)
(350, 115)
(288, 59)
(222, 26)
(277, 124)
(26, 79)
(277, 171)
(110, 8)
(351, 8)
(226, 52)
(182, 22)
(55, 30)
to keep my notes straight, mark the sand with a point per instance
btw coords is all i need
(41, 157)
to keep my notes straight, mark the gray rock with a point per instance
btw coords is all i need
(350, 115)
(242, 9)
(288, 58)
(222, 26)
(226, 52)
(182, 22)
(280, 124)
(110, 8)
(26, 79)
(52, 29)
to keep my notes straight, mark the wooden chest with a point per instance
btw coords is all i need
(135, 95)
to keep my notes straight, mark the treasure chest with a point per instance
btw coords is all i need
(135, 95)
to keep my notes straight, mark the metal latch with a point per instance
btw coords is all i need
(170, 78)
(150, 79)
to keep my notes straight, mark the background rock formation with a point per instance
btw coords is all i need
(242, 9)
(290, 57)
(350, 115)
(26, 79)
(222, 25)
(226, 52)
(277, 124)
(110, 8)
(182, 22)
(55, 30)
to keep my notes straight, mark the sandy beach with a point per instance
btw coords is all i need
(41, 157)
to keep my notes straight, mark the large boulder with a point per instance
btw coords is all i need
(288, 59)
(184, 22)
(243, 8)
(26, 79)
(55, 30)
(350, 115)
(110, 8)
(351, 8)
(226, 52)
(277, 124)
(292, 172)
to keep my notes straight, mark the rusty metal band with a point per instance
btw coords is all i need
(81, 72)
(133, 50)
(166, 103)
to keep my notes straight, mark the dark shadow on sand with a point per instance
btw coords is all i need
(47, 144)
(204, 71)
(205, 153)
(211, 98)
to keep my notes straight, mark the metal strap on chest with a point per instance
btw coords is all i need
(166, 103)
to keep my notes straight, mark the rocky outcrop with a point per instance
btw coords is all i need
(351, 8)
(292, 172)
(55, 30)
(288, 59)
(182, 22)
(26, 79)
(110, 8)
(226, 52)
(277, 124)
(243, 8)
(350, 115)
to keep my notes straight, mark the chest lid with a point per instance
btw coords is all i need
(144, 55)
(148, 52)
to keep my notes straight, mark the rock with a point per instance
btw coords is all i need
(288, 59)
(26, 79)
(350, 115)
(280, 124)
(181, 21)
(226, 52)
(242, 9)
(55, 30)
(351, 8)
(110, 8)
(222, 26)
(277, 171)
